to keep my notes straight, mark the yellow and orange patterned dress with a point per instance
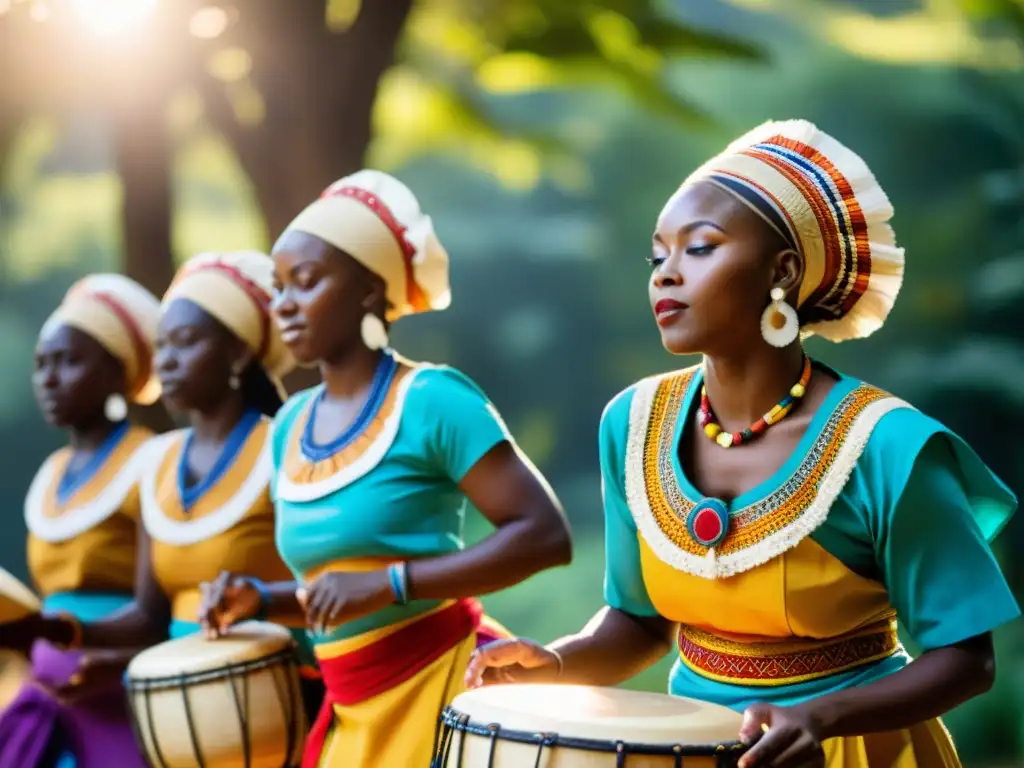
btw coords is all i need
(881, 515)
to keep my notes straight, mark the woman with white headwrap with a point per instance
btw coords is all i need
(95, 353)
(204, 492)
(373, 471)
(771, 517)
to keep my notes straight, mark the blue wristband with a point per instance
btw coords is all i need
(264, 594)
(399, 582)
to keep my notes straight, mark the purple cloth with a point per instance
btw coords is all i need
(35, 728)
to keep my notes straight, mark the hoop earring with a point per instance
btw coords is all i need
(115, 408)
(779, 323)
(373, 331)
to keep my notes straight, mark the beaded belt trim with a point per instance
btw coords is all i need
(785, 662)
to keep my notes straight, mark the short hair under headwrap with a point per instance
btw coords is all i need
(122, 317)
(376, 219)
(822, 199)
(235, 288)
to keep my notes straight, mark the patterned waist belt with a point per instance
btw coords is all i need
(788, 661)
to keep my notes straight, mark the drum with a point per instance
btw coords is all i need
(233, 702)
(16, 600)
(568, 726)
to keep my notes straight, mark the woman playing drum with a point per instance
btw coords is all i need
(373, 470)
(82, 511)
(204, 495)
(778, 551)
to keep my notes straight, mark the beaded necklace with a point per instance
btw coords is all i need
(382, 378)
(728, 439)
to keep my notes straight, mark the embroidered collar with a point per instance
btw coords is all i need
(188, 493)
(299, 479)
(93, 499)
(763, 523)
(73, 480)
(222, 505)
(379, 388)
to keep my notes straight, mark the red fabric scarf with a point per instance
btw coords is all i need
(373, 669)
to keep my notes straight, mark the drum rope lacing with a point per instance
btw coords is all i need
(726, 755)
(229, 673)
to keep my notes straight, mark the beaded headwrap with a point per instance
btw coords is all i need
(376, 219)
(822, 199)
(236, 288)
(122, 316)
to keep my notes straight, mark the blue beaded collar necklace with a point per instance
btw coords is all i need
(379, 388)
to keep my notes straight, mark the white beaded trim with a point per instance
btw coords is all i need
(287, 490)
(76, 520)
(710, 566)
(181, 533)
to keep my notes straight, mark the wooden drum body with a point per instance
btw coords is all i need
(568, 726)
(233, 702)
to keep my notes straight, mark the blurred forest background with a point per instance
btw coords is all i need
(543, 137)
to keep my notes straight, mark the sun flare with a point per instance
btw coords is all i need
(110, 17)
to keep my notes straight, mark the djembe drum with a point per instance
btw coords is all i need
(569, 726)
(17, 602)
(233, 702)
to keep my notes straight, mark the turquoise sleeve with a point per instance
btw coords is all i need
(624, 587)
(462, 424)
(932, 546)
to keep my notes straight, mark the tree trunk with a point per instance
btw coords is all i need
(144, 157)
(319, 89)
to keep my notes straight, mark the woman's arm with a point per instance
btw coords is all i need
(532, 531)
(532, 535)
(613, 647)
(141, 623)
(933, 684)
(138, 625)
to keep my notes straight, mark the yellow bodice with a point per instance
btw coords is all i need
(229, 527)
(804, 592)
(88, 542)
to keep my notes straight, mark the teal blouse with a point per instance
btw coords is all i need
(916, 514)
(397, 496)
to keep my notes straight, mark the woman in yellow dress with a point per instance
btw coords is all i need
(372, 473)
(95, 352)
(778, 557)
(204, 494)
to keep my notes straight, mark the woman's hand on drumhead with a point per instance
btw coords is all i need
(225, 602)
(513, 660)
(780, 737)
(337, 598)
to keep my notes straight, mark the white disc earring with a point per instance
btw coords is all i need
(779, 322)
(115, 408)
(373, 331)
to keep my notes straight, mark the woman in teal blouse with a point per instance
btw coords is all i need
(373, 470)
(770, 517)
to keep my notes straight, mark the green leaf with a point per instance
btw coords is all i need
(670, 38)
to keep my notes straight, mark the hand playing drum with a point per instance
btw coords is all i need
(514, 660)
(229, 599)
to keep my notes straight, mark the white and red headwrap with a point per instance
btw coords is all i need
(824, 201)
(377, 220)
(122, 316)
(236, 289)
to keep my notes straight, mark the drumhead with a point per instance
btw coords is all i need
(16, 600)
(189, 655)
(610, 714)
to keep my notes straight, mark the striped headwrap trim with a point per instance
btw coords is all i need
(824, 202)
